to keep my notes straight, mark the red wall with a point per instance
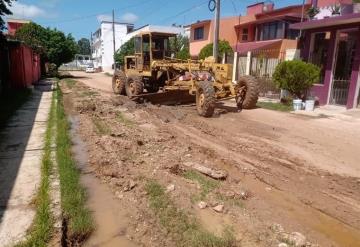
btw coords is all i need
(13, 26)
(24, 66)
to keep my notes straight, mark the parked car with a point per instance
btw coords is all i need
(89, 69)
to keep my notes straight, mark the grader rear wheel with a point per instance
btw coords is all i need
(134, 86)
(118, 82)
(249, 92)
(205, 99)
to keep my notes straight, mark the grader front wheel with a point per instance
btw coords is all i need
(118, 82)
(134, 86)
(205, 99)
(248, 93)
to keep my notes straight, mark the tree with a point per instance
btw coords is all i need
(53, 45)
(296, 76)
(180, 46)
(128, 48)
(4, 10)
(207, 51)
(84, 46)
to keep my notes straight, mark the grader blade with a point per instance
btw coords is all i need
(173, 97)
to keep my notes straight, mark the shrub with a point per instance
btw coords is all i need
(207, 51)
(128, 48)
(296, 76)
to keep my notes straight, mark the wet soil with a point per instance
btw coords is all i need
(285, 186)
(110, 217)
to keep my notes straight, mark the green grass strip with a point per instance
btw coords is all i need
(73, 195)
(275, 106)
(42, 227)
(183, 228)
(207, 184)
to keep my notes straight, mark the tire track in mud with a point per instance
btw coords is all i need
(314, 218)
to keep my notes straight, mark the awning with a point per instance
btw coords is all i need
(328, 22)
(243, 48)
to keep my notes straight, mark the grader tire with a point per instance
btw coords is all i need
(134, 86)
(252, 92)
(205, 99)
(118, 82)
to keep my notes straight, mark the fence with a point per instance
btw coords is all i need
(261, 64)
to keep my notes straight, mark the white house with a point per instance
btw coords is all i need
(102, 43)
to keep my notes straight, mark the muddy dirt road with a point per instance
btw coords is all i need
(286, 173)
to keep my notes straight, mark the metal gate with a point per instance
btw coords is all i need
(339, 92)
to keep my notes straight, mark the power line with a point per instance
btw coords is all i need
(185, 11)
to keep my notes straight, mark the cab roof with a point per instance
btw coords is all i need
(157, 34)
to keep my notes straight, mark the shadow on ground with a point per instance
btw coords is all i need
(16, 147)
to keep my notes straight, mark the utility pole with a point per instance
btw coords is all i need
(113, 31)
(302, 16)
(216, 33)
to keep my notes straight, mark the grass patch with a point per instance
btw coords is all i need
(73, 196)
(122, 119)
(230, 201)
(10, 102)
(183, 229)
(41, 230)
(108, 74)
(89, 94)
(207, 184)
(275, 106)
(70, 83)
(101, 127)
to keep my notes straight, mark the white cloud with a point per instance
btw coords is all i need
(49, 3)
(129, 17)
(27, 11)
(101, 18)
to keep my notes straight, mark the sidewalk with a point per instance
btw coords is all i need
(21, 149)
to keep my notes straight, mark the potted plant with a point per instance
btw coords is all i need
(297, 77)
(312, 12)
(356, 6)
(335, 10)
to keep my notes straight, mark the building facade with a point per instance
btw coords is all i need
(269, 29)
(332, 42)
(102, 43)
(263, 27)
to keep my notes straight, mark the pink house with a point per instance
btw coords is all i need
(202, 33)
(332, 41)
(269, 29)
(263, 27)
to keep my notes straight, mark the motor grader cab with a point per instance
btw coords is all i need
(152, 74)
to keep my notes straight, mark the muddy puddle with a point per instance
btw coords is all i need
(110, 218)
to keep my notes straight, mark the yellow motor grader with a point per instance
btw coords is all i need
(152, 74)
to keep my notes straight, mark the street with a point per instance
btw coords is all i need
(298, 172)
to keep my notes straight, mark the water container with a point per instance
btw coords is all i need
(309, 105)
(297, 104)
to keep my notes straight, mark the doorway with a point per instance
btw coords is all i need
(345, 53)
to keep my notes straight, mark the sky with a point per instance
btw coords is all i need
(81, 17)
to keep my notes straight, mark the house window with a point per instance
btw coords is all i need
(271, 30)
(199, 33)
(291, 33)
(319, 51)
(245, 34)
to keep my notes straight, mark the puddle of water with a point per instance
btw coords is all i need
(318, 222)
(329, 227)
(111, 219)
